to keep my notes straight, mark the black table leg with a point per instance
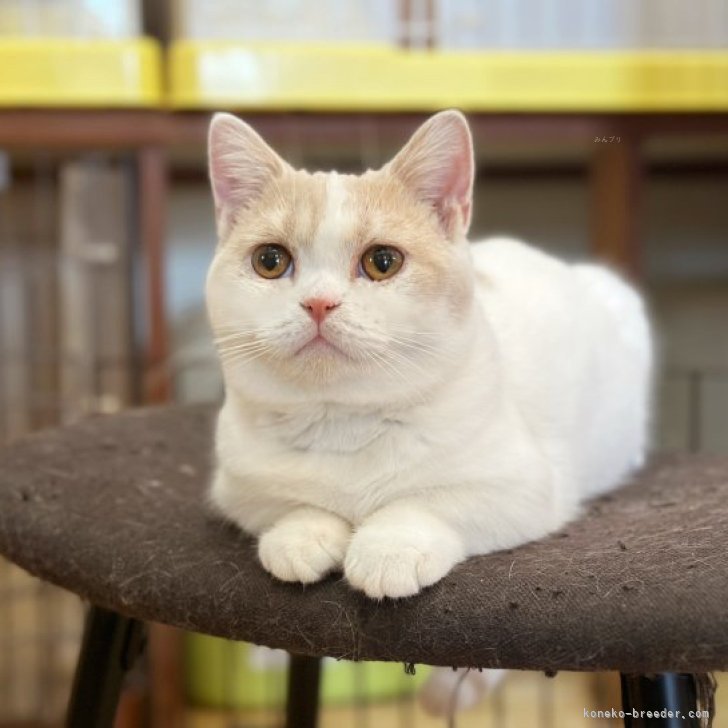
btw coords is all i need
(111, 644)
(662, 700)
(302, 705)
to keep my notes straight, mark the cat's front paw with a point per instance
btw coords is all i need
(304, 546)
(383, 562)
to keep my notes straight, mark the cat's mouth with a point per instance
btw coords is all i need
(319, 344)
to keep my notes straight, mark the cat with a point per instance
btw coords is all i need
(398, 399)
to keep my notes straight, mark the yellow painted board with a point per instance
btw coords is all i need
(60, 72)
(218, 74)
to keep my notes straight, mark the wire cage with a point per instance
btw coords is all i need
(72, 329)
(70, 336)
(66, 350)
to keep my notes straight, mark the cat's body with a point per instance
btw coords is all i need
(398, 399)
(544, 407)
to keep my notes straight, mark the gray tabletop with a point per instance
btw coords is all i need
(114, 509)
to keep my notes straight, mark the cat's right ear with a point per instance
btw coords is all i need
(241, 164)
(437, 165)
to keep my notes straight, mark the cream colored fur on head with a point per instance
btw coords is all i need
(466, 404)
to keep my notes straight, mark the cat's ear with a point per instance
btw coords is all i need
(437, 165)
(241, 164)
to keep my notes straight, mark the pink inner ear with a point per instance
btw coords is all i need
(241, 164)
(231, 167)
(221, 156)
(437, 165)
(457, 186)
(221, 187)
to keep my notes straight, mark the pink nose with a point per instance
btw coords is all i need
(319, 308)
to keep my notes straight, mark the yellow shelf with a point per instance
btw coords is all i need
(58, 72)
(215, 74)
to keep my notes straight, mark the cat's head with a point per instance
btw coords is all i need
(343, 287)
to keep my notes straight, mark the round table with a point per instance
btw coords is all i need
(113, 508)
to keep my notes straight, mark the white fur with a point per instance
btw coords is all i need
(545, 405)
(402, 454)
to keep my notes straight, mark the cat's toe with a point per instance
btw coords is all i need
(299, 552)
(382, 568)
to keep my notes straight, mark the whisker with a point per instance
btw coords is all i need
(390, 367)
(242, 346)
(238, 359)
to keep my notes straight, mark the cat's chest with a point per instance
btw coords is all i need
(326, 429)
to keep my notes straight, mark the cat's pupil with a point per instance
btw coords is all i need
(270, 259)
(382, 259)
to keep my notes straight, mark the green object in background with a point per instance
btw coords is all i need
(224, 674)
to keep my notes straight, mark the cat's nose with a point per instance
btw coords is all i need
(319, 308)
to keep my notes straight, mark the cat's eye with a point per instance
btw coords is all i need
(272, 261)
(380, 262)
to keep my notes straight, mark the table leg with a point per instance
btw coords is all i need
(302, 705)
(662, 700)
(111, 643)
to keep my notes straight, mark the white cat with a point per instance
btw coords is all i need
(398, 399)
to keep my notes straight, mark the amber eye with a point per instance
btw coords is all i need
(381, 261)
(271, 261)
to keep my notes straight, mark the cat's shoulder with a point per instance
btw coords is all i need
(495, 254)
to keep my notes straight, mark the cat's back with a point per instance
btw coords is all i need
(519, 285)
(575, 348)
(508, 261)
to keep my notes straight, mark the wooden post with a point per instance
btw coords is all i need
(152, 190)
(165, 676)
(616, 200)
(617, 181)
(165, 643)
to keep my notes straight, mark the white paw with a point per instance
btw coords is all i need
(383, 562)
(304, 548)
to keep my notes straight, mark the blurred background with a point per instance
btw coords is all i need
(601, 130)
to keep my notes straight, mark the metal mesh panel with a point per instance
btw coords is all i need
(65, 350)
(60, 357)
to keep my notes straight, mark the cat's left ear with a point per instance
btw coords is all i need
(437, 165)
